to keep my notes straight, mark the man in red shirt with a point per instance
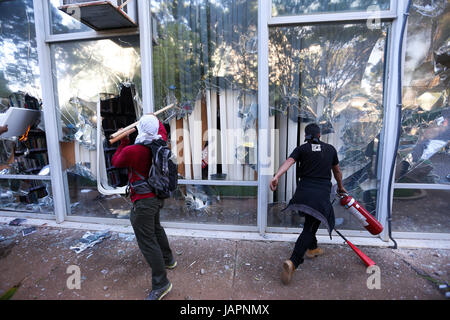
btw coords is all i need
(144, 215)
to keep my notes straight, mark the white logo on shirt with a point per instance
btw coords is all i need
(316, 147)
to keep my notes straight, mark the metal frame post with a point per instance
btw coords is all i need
(145, 31)
(59, 187)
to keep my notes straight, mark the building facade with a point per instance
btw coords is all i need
(245, 78)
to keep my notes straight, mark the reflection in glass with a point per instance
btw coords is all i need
(205, 61)
(62, 22)
(296, 7)
(19, 67)
(232, 205)
(423, 155)
(33, 196)
(85, 72)
(332, 75)
(20, 88)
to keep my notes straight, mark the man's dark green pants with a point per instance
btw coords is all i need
(151, 238)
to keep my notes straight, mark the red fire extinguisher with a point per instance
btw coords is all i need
(367, 220)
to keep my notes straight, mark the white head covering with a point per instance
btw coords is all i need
(148, 127)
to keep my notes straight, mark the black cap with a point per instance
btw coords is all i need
(312, 132)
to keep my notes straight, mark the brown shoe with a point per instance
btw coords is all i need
(288, 271)
(314, 253)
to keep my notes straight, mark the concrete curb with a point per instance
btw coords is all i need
(233, 235)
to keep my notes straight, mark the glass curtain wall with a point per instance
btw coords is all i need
(23, 153)
(333, 75)
(205, 62)
(424, 154)
(96, 78)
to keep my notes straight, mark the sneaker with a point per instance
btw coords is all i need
(159, 293)
(288, 271)
(314, 253)
(172, 265)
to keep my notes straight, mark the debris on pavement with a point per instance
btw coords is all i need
(28, 231)
(89, 240)
(17, 222)
(126, 237)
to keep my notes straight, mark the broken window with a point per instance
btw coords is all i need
(205, 61)
(232, 205)
(295, 7)
(34, 196)
(332, 75)
(91, 75)
(24, 154)
(424, 154)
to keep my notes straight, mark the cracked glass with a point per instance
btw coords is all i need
(332, 75)
(87, 73)
(20, 88)
(205, 62)
(424, 154)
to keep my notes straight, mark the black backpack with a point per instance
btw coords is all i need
(163, 174)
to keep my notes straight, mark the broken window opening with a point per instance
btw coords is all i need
(333, 75)
(424, 153)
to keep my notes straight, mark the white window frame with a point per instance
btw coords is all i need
(331, 16)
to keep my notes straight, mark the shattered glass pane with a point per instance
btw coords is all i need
(19, 67)
(233, 205)
(34, 196)
(20, 88)
(62, 22)
(205, 61)
(332, 75)
(295, 7)
(85, 73)
(424, 154)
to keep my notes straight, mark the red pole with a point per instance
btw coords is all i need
(367, 261)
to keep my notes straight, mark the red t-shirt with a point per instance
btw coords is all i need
(137, 157)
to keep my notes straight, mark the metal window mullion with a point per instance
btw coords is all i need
(49, 112)
(24, 177)
(263, 113)
(91, 35)
(47, 18)
(426, 186)
(145, 28)
(331, 17)
(390, 119)
(219, 182)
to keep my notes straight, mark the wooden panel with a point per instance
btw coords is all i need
(67, 154)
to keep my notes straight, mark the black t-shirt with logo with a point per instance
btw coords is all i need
(315, 160)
